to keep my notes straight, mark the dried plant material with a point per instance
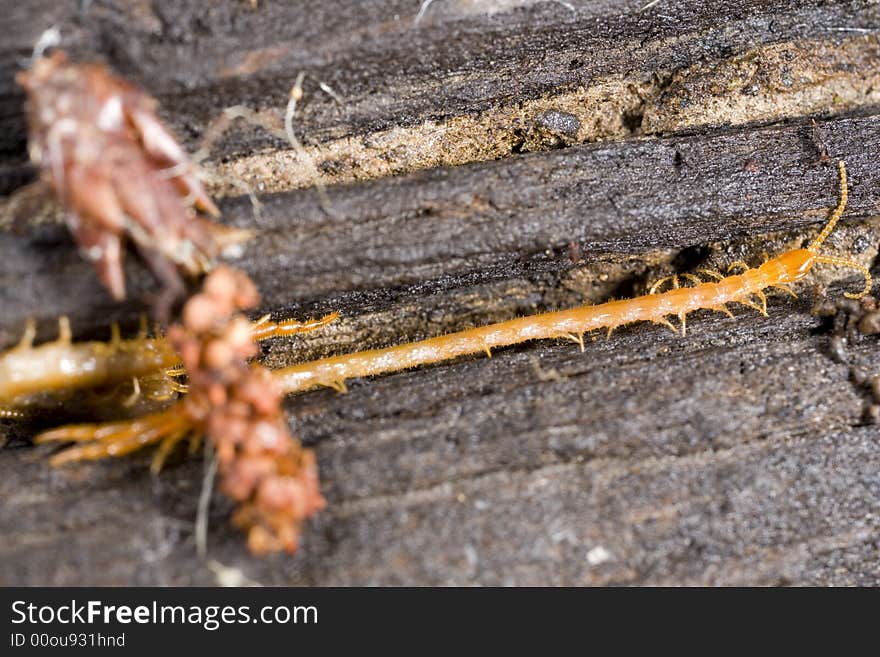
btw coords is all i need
(120, 174)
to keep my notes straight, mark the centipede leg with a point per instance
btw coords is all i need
(168, 443)
(30, 333)
(718, 276)
(665, 322)
(763, 299)
(65, 334)
(724, 309)
(115, 336)
(340, 387)
(655, 286)
(130, 401)
(115, 438)
(77, 433)
(195, 441)
(786, 289)
(577, 339)
(752, 305)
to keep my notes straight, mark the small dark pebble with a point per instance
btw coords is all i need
(875, 388)
(858, 376)
(559, 122)
(861, 244)
(850, 306)
(824, 308)
(838, 349)
(870, 323)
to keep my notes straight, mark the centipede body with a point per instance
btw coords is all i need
(779, 272)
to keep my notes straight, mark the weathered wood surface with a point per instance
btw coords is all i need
(738, 454)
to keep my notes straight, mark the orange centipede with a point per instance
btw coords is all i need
(716, 293)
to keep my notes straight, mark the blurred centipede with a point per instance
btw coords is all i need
(33, 375)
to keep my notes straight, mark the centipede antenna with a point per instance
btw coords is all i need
(852, 264)
(836, 215)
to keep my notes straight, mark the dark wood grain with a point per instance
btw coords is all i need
(742, 453)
